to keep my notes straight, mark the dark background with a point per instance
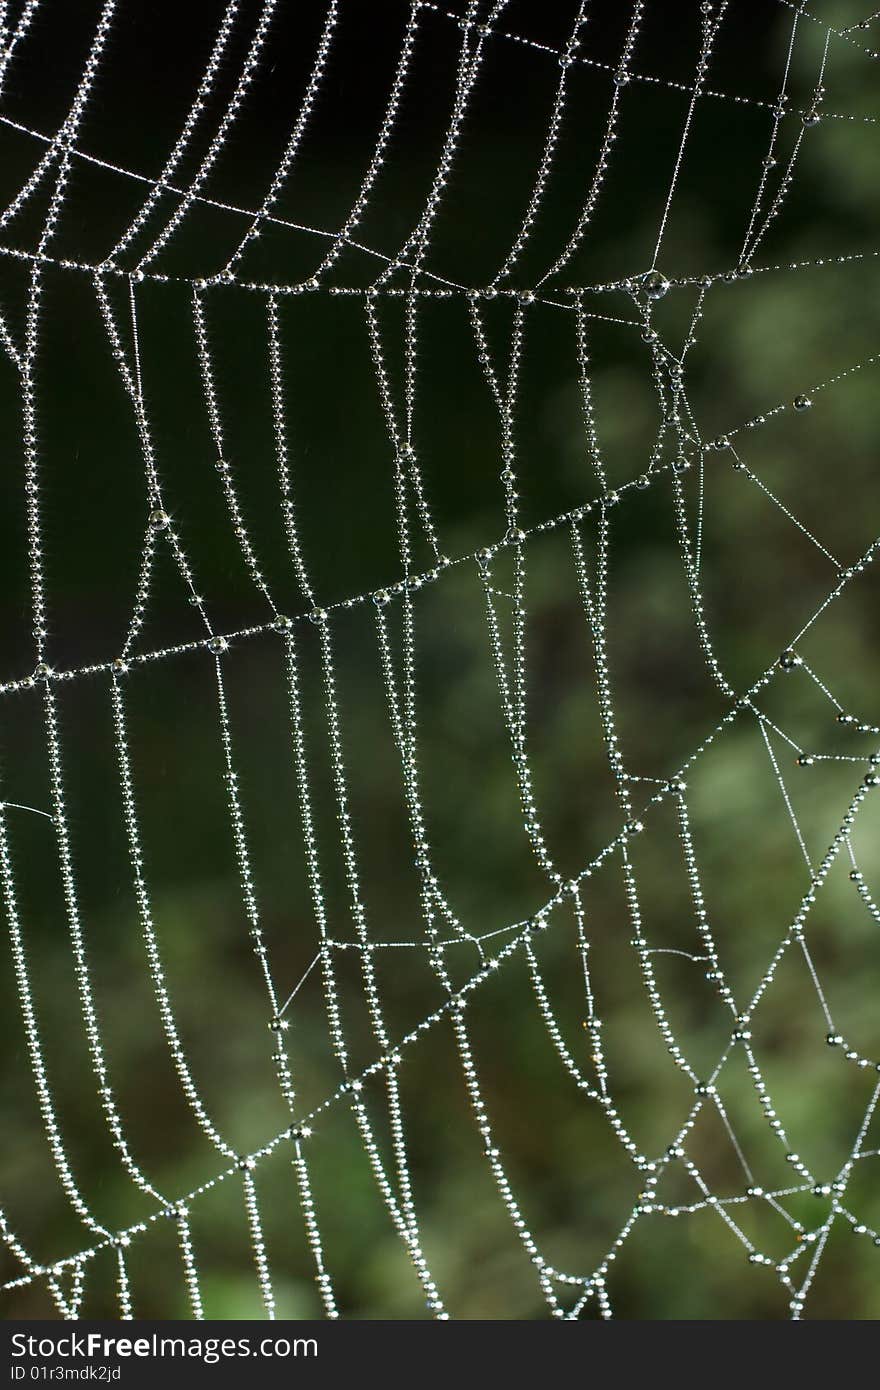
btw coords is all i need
(761, 340)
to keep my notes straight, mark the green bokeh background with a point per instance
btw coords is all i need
(761, 340)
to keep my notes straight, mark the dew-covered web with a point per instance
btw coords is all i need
(666, 1014)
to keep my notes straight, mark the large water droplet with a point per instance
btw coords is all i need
(654, 284)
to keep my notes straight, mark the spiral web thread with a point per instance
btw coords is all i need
(680, 454)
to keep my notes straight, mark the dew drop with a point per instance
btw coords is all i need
(654, 284)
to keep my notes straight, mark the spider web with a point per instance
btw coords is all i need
(379, 1017)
